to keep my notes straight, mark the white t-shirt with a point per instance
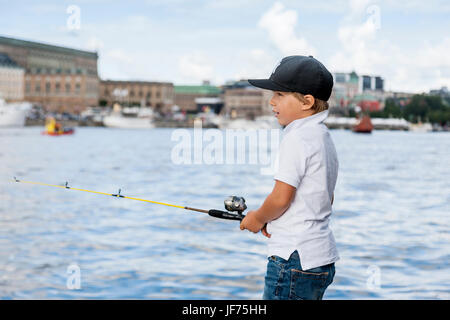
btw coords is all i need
(307, 161)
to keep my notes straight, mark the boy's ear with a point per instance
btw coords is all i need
(308, 102)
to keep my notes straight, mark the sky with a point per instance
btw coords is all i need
(185, 42)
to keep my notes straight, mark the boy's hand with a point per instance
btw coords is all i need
(251, 222)
(264, 231)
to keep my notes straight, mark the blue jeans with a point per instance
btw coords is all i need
(285, 279)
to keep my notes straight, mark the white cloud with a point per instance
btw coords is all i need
(363, 50)
(420, 70)
(255, 63)
(195, 67)
(157, 40)
(281, 25)
(358, 48)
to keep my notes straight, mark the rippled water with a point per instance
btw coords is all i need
(391, 219)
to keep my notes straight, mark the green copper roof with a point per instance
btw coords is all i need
(203, 89)
(353, 77)
(364, 96)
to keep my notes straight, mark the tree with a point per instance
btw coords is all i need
(425, 107)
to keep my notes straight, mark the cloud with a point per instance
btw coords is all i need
(281, 25)
(404, 69)
(172, 41)
(423, 69)
(254, 63)
(195, 67)
(359, 49)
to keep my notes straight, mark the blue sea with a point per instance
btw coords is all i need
(391, 218)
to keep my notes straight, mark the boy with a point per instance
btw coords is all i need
(295, 215)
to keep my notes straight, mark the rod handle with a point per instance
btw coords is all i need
(225, 215)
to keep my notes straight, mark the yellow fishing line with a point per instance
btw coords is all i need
(98, 192)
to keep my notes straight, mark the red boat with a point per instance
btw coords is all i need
(364, 125)
(59, 133)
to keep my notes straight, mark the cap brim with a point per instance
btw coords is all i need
(267, 84)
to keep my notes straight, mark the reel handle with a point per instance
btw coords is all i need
(225, 215)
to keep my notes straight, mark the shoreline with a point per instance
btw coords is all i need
(348, 125)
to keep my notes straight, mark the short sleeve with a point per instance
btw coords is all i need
(292, 157)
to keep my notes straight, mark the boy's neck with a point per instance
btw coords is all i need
(302, 116)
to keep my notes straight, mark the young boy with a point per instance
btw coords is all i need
(295, 215)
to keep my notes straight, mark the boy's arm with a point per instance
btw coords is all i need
(276, 203)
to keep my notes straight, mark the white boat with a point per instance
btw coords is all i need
(421, 127)
(96, 114)
(262, 122)
(13, 114)
(130, 118)
(378, 123)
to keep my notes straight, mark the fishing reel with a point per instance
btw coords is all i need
(233, 203)
(234, 206)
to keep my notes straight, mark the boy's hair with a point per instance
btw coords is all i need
(318, 106)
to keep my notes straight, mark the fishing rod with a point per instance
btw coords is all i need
(234, 205)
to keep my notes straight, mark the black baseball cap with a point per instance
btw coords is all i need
(302, 74)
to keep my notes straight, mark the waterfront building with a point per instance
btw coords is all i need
(368, 102)
(11, 79)
(59, 79)
(242, 100)
(368, 83)
(346, 86)
(442, 92)
(157, 95)
(209, 104)
(350, 90)
(186, 95)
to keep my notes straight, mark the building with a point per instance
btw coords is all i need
(209, 104)
(399, 98)
(242, 100)
(58, 78)
(350, 90)
(442, 92)
(374, 83)
(368, 102)
(158, 95)
(185, 95)
(11, 79)
(346, 86)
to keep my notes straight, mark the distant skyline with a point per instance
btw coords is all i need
(185, 42)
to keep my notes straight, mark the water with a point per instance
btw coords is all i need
(391, 223)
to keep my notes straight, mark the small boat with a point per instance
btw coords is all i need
(53, 128)
(364, 125)
(59, 133)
